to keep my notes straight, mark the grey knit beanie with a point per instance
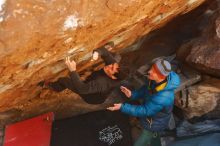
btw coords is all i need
(163, 66)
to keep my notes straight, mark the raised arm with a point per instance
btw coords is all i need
(139, 93)
(105, 53)
(94, 86)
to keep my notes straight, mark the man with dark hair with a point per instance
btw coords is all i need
(96, 87)
(158, 96)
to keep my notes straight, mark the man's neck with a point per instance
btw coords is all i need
(108, 74)
(159, 80)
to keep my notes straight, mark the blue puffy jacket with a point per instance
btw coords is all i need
(156, 107)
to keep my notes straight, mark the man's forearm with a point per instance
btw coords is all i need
(106, 55)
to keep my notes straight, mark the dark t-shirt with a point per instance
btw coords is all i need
(95, 88)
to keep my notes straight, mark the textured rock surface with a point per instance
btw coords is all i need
(203, 52)
(35, 37)
(203, 98)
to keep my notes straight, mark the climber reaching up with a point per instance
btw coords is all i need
(98, 85)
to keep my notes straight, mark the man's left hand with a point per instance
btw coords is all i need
(116, 107)
(70, 64)
(95, 56)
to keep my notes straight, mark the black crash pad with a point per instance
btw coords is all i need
(101, 128)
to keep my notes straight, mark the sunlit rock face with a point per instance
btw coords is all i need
(36, 35)
(203, 52)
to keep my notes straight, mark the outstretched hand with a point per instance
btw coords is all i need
(70, 64)
(126, 91)
(116, 107)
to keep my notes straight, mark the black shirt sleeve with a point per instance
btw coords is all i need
(97, 85)
(107, 56)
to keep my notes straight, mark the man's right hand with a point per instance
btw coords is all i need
(70, 64)
(126, 91)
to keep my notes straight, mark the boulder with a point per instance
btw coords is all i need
(203, 99)
(36, 36)
(203, 52)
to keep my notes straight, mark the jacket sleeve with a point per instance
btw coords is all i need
(107, 56)
(145, 110)
(93, 86)
(139, 93)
